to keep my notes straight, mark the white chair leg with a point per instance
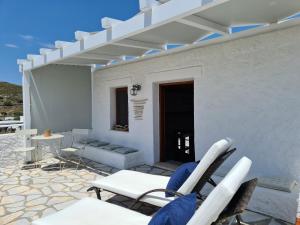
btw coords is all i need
(60, 157)
(17, 161)
(80, 159)
(36, 157)
(63, 162)
(60, 166)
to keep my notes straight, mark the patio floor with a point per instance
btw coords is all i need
(28, 194)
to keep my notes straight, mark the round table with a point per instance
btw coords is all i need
(52, 137)
(41, 138)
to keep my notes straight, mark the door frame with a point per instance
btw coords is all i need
(162, 151)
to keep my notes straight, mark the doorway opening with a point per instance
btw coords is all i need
(177, 122)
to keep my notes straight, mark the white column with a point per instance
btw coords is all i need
(26, 99)
(93, 69)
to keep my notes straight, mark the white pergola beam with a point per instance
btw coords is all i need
(45, 51)
(80, 35)
(123, 33)
(203, 24)
(20, 68)
(138, 44)
(163, 1)
(21, 61)
(95, 57)
(107, 22)
(62, 44)
(33, 57)
(73, 64)
(36, 60)
(146, 5)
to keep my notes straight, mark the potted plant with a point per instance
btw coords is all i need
(47, 133)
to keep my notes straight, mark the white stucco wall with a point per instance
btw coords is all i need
(246, 89)
(60, 98)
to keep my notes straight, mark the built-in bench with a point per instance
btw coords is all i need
(112, 155)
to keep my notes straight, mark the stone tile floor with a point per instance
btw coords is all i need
(30, 193)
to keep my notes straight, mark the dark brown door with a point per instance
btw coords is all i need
(177, 122)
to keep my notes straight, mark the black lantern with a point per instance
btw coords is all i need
(135, 88)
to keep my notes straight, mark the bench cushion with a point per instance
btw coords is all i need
(87, 141)
(125, 150)
(98, 143)
(111, 147)
(112, 158)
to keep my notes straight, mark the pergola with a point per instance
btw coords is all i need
(77, 92)
(186, 24)
(156, 26)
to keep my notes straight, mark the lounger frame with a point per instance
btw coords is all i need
(206, 178)
(238, 203)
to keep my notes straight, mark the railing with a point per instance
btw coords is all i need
(10, 125)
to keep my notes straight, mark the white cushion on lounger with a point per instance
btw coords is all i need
(220, 196)
(212, 154)
(94, 212)
(89, 211)
(133, 184)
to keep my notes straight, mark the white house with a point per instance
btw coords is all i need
(131, 89)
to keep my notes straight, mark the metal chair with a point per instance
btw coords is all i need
(76, 148)
(24, 151)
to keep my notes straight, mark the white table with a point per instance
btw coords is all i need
(41, 138)
(52, 137)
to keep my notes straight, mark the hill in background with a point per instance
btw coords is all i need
(11, 101)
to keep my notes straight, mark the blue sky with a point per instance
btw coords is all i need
(27, 26)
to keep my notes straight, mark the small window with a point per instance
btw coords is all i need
(121, 109)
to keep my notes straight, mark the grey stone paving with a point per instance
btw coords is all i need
(29, 193)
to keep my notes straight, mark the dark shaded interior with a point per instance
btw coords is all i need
(122, 106)
(177, 122)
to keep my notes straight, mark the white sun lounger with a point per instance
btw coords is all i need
(94, 212)
(134, 184)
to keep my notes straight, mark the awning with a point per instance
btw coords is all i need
(181, 22)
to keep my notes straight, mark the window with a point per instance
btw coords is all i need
(121, 109)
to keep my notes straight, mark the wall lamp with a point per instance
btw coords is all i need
(135, 88)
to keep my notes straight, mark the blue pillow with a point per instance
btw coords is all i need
(177, 212)
(180, 175)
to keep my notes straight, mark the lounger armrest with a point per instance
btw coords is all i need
(97, 190)
(212, 182)
(153, 191)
